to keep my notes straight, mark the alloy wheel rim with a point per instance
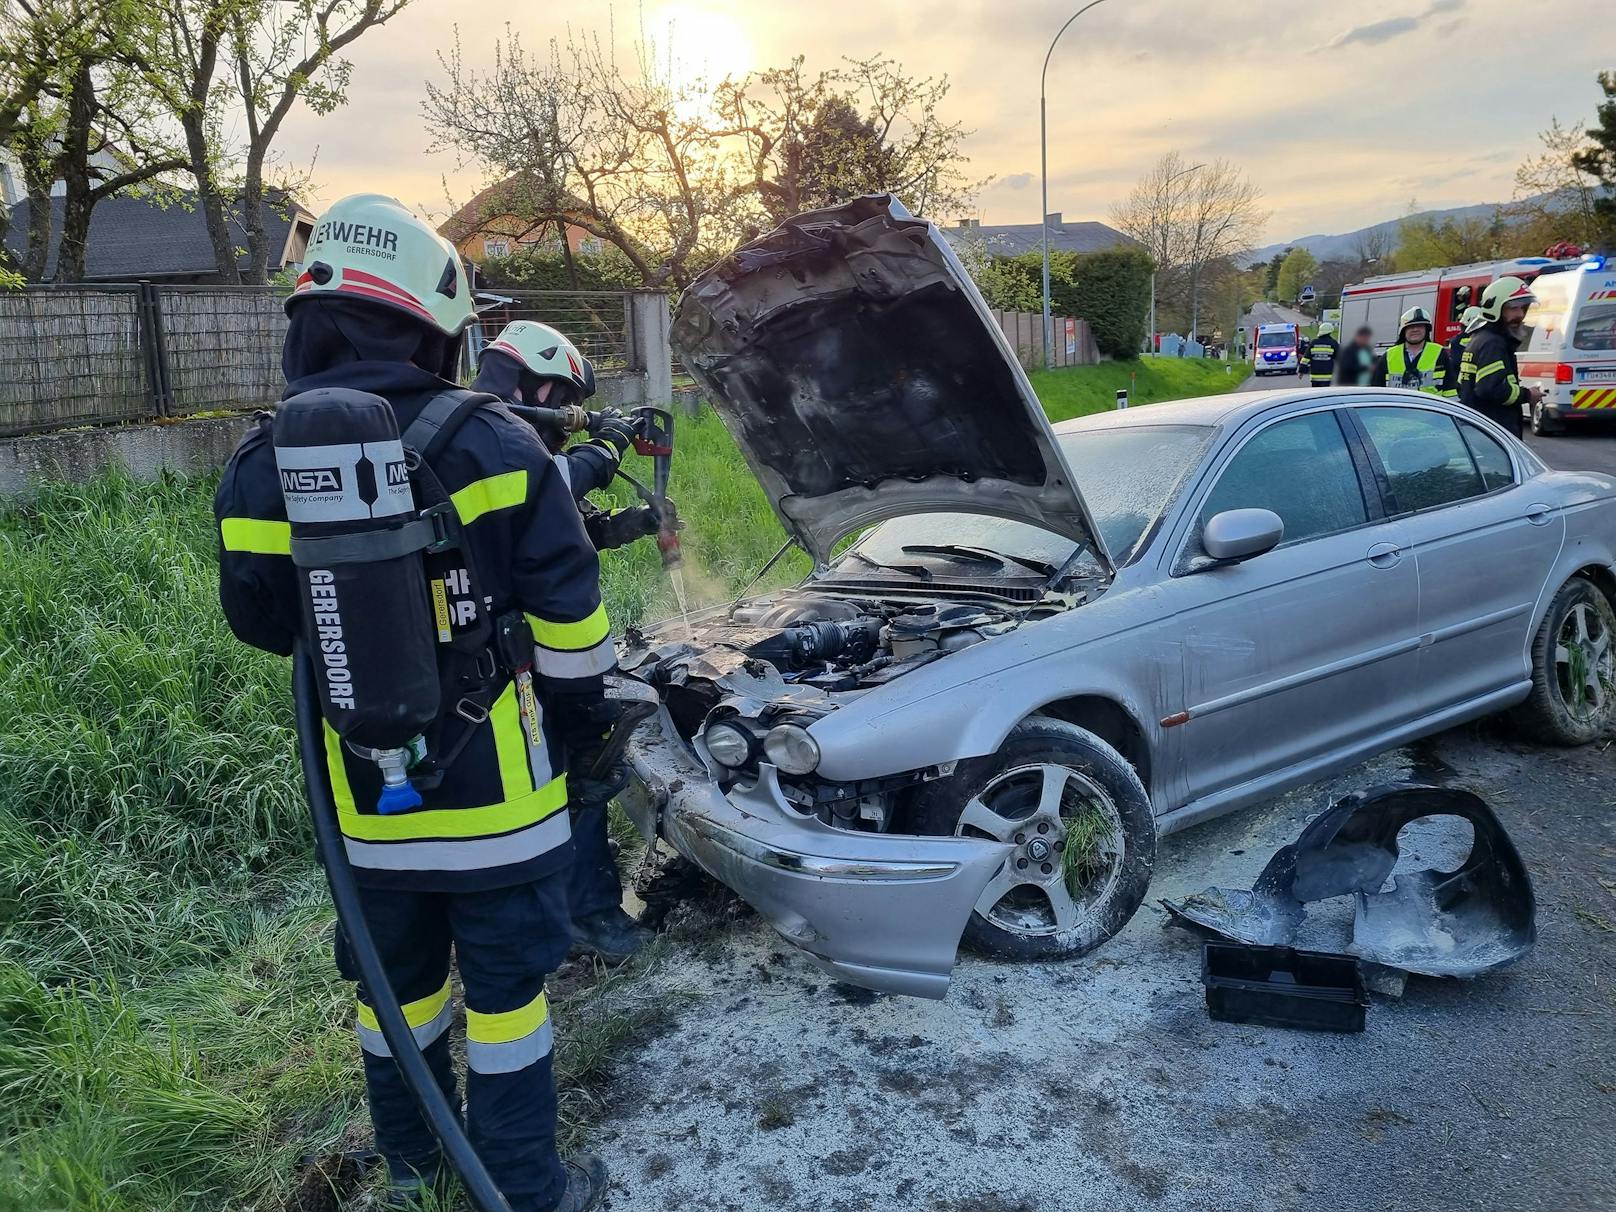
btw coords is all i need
(1068, 851)
(1585, 663)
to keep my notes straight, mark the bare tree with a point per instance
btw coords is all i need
(1154, 212)
(1374, 245)
(1189, 217)
(1222, 218)
(630, 156)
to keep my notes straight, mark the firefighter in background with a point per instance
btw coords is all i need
(532, 363)
(1415, 361)
(478, 867)
(1321, 356)
(1469, 321)
(1355, 364)
(1489, 380)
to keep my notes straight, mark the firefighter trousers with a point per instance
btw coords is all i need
(505, 941)
(595, 883)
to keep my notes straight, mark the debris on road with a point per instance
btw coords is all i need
(1461, 923)
(1283, 987)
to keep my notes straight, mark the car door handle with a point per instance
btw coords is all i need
(1385, 555)
(1539, 515)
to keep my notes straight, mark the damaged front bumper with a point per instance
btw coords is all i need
(880, 910)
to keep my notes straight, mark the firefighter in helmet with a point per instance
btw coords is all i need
(532, 363)
(1489, 379)
(1321, 356)
(1415, 360)
(1469, 321)
(477, 866)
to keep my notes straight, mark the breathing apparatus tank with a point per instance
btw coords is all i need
(357, 540)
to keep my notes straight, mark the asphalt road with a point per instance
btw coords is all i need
(1102, 1083)
(1590, 449)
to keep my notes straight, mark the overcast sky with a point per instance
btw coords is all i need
(1342, 113)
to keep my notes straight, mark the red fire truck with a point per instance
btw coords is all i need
(1445, 293)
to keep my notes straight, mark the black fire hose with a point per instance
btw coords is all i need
(440, 1117)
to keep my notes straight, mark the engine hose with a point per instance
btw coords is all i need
(435, 1109)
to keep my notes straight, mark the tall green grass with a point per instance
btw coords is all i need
(173, 1034)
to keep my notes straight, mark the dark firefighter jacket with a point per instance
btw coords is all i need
(1424, 373)
(1321, 356)
(1489, 379)
(498, 816)
(1455, 358)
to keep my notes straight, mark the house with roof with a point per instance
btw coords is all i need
(493, 224)
(136, 237)
(1014, 239)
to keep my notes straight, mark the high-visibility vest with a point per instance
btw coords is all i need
(1424, 377)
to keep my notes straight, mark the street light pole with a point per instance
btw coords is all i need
(1043, 173)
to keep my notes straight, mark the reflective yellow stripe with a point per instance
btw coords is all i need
(484, 496)
(340, 791)
(1490, 369)
(509, 1026)
(490, 819)
(515, 776)
(416, 1014)
(256, 536)
(571, 637)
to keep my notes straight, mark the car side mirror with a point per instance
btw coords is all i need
(1239, 534)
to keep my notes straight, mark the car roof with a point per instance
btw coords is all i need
(1234, 408)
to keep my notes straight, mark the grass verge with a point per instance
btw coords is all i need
(173, 1034)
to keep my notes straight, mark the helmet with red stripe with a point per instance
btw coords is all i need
(370, 247)
(545, 353)
(1502, 293)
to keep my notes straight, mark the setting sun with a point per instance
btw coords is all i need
(698, 42)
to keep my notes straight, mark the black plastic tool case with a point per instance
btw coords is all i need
(1283, 987)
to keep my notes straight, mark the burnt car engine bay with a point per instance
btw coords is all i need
(743, 684)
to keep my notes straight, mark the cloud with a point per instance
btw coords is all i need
(1014, 181)
(1377, 32)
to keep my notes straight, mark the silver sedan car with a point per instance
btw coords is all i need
(1049, 645)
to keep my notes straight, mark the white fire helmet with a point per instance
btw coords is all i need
(547, 354)
(368, 246)
(1500, 294)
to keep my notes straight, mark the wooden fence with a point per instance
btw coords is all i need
(1074, 341)
(98, 355)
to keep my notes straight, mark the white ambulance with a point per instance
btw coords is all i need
(1277, 350)
(1571, 352)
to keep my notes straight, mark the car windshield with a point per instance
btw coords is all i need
(1275, 340)
(1126, 475)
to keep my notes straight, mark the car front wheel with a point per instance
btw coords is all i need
(1082, 833)
(1573, 699)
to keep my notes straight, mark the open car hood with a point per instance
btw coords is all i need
(864, 378)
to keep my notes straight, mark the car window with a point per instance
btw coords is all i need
(1299, 468)
(1492, 460)
(1427, 463)
(1596, 327)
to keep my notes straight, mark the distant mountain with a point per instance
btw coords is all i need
(1345, 245)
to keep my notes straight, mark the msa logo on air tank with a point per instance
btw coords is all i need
(315, 479)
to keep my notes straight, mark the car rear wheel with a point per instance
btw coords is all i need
(1542, 425)
(1083, 833)
(1573, 699)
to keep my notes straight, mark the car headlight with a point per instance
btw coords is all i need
(790, 747)
(730, 744)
